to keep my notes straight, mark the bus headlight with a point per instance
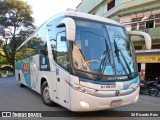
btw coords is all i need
(81, 88)
(135, 87)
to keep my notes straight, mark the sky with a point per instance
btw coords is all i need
(44, 9)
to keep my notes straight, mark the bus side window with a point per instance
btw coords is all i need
(44, 50)
(62, 50)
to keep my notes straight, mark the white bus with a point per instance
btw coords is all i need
(80, 61)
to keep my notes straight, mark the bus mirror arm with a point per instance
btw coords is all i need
(70, 25)
(146, 36)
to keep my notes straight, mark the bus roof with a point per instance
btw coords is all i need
(84, 15)
(74, 14)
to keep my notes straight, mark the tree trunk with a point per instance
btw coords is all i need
(13, 65)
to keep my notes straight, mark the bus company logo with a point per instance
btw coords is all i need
(25, 67)
(117, 93)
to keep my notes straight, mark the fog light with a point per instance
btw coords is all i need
(84, 104)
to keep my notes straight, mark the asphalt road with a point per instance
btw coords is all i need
(14, 98)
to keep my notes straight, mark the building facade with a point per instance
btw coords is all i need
(143, 15)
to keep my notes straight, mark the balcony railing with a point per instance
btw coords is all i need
(153, 32)
(148, 51)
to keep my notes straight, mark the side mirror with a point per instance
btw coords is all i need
(146, 37)
(70, 25)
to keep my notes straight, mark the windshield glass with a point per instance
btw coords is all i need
(122, 50)
(95, 49)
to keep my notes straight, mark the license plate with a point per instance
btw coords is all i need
(116, 103)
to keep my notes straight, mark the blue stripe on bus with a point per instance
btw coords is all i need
(27, 75)
(44, 63)
(133, 81)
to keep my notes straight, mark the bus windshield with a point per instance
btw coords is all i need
(102, 49)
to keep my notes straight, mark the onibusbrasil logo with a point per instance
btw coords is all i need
(21, 114)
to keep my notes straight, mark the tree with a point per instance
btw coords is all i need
(16, 24)
(2, 59)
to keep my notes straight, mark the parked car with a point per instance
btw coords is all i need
(7, 68)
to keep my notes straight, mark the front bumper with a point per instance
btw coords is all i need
(95, 103)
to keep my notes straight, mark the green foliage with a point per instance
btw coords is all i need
(3, 60)
(15, 13)
(28, 52)
(29, 49)
(15, 21)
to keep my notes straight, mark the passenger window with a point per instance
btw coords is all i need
(38, 43)
(62, 50)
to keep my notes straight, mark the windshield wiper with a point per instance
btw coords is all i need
(103, 63)
(117, 51)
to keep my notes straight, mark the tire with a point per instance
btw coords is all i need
(152, 91)
(19, 81)
(45, 94)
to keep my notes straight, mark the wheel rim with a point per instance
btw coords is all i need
(153, 92)
(46, 94)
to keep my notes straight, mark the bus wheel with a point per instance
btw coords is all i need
(19, 81)
(45, 94)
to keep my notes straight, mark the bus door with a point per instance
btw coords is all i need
(62, 73)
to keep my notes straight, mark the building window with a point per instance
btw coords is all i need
(134, 26)
(111, 4)
(157, 20)
(98, 13)
(134, 19)
(141, 25)
(151, 21)
(156, 46)
(104, 9)
(151, 17)
(157, 15)
(157, 23)
(150, 24)
(138, 47)
(117, 2)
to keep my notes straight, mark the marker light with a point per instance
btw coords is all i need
(84, 104)
(81, 88)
